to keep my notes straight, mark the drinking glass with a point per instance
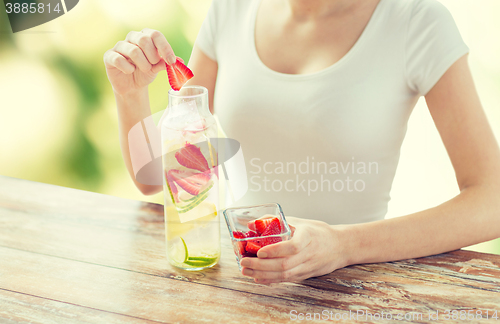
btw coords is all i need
(237, 220)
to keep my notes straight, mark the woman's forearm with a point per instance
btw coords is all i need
(132, 109)
(469, 218)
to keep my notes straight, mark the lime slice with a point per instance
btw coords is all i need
(170, 191)
(200, 261)
(191, 204)
(200, 194)
(186, 254)
(178, 251)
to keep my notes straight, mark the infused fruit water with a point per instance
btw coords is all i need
(191, 186)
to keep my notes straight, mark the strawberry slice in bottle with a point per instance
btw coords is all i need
(191, 182)
(190, 156)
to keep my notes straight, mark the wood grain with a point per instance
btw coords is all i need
(107, 239)
(22, 308)
(136, 295)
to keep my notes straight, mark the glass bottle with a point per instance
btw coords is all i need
(191, 186)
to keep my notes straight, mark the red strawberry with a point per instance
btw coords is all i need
(253, 247)
(251, 234)
(262, 224)
(273, 228)
(191, 157)
(248, 255)
(270, 240)
(191, 182)
(238, 234)
(241, 244)
(178, 74)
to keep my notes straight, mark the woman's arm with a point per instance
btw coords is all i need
(205, 73)
(131, 66)
(471, 217)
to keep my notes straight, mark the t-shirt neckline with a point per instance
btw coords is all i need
(355, 48)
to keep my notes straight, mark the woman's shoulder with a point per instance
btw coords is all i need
(229, 13)
(431, 8)
(225, 7)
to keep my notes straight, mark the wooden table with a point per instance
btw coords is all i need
(70, 256)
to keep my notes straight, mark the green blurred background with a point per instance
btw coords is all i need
(58, 121)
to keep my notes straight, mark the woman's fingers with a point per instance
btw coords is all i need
(293, 274)
(160, 66)
(146, 44)
(251, 225)
(143, 50)
(300, 240)
(134, 54)
(275, 264)
(116, 60)
(161, 44)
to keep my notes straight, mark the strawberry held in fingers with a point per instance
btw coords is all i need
(178, 74)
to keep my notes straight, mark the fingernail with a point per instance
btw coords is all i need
(171, 59)
(247, 272)
(262, 255)
(245, 263)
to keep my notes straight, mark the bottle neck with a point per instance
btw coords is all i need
(188, 107)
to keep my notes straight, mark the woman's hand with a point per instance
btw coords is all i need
(315, 249)
(133, 64)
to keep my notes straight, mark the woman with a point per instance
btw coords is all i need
(319, 93)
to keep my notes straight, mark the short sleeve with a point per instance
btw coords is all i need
(433, 44)
(207, 36)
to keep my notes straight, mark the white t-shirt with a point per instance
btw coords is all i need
(326, 145)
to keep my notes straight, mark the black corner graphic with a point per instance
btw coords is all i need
(70, 4)
(25, 14)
